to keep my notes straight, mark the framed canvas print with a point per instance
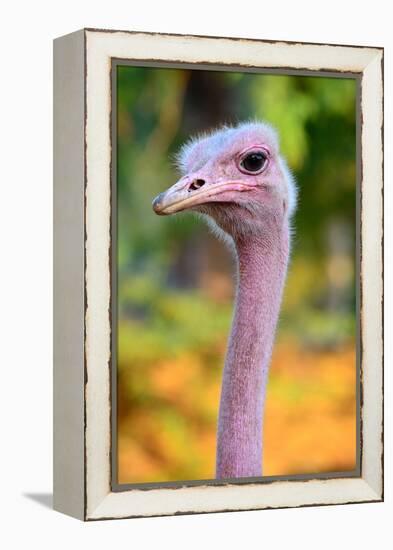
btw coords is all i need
(218, 269)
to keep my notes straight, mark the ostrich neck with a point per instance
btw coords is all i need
(262, 266)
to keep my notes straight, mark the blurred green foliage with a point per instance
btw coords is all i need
(174, 318)
(175, 283)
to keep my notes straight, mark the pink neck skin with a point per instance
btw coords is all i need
(262, 266)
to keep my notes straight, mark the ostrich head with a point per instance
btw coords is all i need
(236, 177)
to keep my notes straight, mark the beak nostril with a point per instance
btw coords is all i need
(196, 184)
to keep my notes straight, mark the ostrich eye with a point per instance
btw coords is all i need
(254, 162)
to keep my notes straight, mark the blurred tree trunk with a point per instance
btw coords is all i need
(204, 262)
(340, 265)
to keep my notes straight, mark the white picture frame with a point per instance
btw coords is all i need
(82, 270)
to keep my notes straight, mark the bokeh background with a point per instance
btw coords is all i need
(175, 281)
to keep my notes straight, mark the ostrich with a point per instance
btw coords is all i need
(236, 178)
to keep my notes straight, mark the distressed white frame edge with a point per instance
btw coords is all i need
(100, 48)
(69, 283)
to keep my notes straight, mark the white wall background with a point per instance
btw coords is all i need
(26, 268)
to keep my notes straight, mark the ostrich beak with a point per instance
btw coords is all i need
(168, 201)
(191, 191)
